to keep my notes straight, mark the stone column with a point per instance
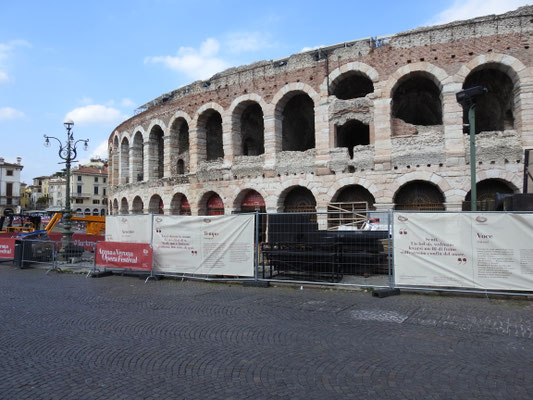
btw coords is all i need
(382, 134)
(452, 119)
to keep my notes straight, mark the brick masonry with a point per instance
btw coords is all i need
(398, 152)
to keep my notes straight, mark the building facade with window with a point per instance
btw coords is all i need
(10, 187)
(372, 121)
(88, 189)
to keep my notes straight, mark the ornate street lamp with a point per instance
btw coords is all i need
(67, 152)
(467, 98)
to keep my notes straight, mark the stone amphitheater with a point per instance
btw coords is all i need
(372, 121)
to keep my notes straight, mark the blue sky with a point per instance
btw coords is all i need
(97, 61)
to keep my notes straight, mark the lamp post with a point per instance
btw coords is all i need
(467, 98)
(68, 152)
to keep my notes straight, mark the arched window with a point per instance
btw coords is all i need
(299, 199)
(252, 130)
(416, 101)
(298, 123)
(157, 149)
(494, 109)
(351, 85)
(419, 195)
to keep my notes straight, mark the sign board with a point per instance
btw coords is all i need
(128, 228)
(7, 248)
(134, 256)
(212, 245)
(470, 250)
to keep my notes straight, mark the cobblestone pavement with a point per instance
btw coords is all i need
(68, 337)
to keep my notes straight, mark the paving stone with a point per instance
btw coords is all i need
(68, 337)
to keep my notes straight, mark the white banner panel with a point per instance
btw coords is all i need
(211, 245)
(128, 228)
(468, 250)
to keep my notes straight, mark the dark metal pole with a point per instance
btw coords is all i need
(473, 189)
(67, 215)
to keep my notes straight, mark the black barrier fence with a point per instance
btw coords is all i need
(310, 247)
(28, 252)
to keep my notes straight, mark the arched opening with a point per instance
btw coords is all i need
(351, 85)
(179, 205)
(96, 212)
(181, 167)
(298, 123)
(353, 133)
(179, 144)
(125, 161)
(252, 130)
(210, 127)
(494, 109)
(137, 157)
(299, 199)
(157, 148)
(78, 211)
(419, 195)
(211, 204)
(486, 193)
(102, 212)
(124, 206)
(115, 207)
(215, 205)
(155, 205)
(115, 161)
(250, 201)
(137, 205)
(349, 207)
(416, 101)
(87, 211)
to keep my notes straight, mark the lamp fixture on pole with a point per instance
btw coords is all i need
(68, 152)
(467, 99)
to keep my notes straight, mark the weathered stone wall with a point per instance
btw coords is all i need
(398, 152)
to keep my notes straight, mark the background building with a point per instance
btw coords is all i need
(10, 185)
(88, 188)
(372, 121)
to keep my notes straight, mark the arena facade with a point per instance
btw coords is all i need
(373, 120)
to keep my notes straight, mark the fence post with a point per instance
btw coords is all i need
(390, 249)
(256, 252)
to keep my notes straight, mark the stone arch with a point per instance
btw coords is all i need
(115, 159)
(137, 205)
(179, 204)
(487, 188)
(179, 143)
(156, 151)
(354, 194)
(124, 209)
(496, 109)
(209, 132)
(115, 207)
(210, 203)
(249, 200)
(351, 67)
(436, 74)
(247, 125)
(124, 160)
(297, 199)
(137, 156)
(419, 195)
(155, 205)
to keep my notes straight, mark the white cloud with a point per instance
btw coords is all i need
(95, 114)
(128, 103)
(199, 63)
(99, 152)
(10, 113)
(239, 42)
(465, 9)
(5, 49)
